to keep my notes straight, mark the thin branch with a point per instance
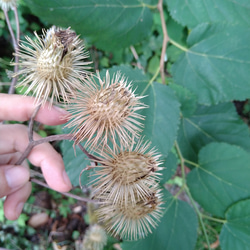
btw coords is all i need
(199, 216)
(17, 25)
(31, 123)
(165, 40)
(91, 157)
(14, 79)
(191, 163)
(177, 45)
(138, 64)
(64, 193)
(154, 76)
(85, 169)
(189, 194)
(213, 219)
(181, 161)
(50, 138)
(14, 42)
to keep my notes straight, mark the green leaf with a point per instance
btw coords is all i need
(162, 116)
(216, 65)
(176, 31)
(235, 232)
(187, 99)
(179, 222)
(109, 25)
(170, 166)
(193, 12)
(75, 161)
(219, 123)
(153, 64)
(222, 177)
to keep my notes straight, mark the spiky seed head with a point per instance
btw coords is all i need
(127, 173)
(95, 238)
(131, 220)
(104, 111)
(8, 4)
(51, 66)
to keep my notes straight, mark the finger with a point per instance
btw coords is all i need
(12, 178)
(10, 159)
(21, 108)
(14, 202)
(14, 139)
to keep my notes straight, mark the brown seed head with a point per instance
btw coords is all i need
(105, 111)
(51, 66)
(132, 220)
(127, 172)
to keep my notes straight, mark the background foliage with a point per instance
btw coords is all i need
(191, 117)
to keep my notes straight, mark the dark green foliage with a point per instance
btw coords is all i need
(192, 117)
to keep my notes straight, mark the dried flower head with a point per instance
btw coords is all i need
(8, 4)
(127, 173)
(134, 220)
(52, 65)
(104, 112)
(95, 238)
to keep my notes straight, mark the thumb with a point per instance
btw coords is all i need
(12, 178)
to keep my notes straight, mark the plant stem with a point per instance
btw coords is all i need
(182, 160)
(50, 138)
(191, 163)
(150, 82)
(14, 79)
(178, 45)
(63, 193)
(165, 40)
(154, 76)
(214, 219)
(199, 216)
(90, 156)
(31, 123)
(138, 64)
(17, 25)
(15, 41)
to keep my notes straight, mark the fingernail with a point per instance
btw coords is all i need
(66, 179)
(16, 176)
(60, 110)
(19, 209)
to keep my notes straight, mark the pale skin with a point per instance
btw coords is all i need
(14, 180)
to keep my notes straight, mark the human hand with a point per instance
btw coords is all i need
(14, 180)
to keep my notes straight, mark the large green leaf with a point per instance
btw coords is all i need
(219, 123)
(193, 12)
(109, 24)
(177, 229)
(216, 65)
(162, 116)
(170, 166)
(221, 178)
(235, 234)
(75, 161)
(187, 99)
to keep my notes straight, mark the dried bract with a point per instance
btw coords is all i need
(52, 65)
(127, 173)
(104, 111)
(132, 221)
